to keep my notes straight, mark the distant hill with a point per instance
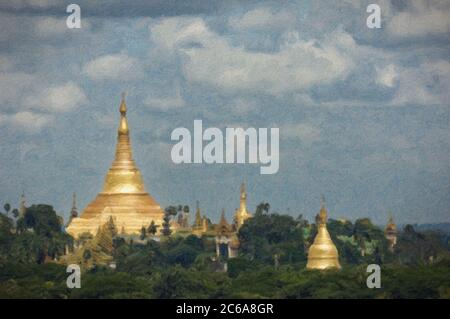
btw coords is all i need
(444, 227)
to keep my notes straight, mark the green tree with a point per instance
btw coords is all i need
(261, 208)
(15, 213)
(42, 219)
(7, 208)
(168, 213)
(143, 233)
(152, 229)
(266, 235)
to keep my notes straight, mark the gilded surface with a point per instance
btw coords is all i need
(123, 196)
(323, 253)
(242, 214)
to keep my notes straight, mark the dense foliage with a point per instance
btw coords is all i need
(271, 262)
(37, 236)
(49, 281)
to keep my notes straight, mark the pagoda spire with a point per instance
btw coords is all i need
(223, 219)
(223, 227)
(123, 195)
(391, 218)
(198, 216)
(74, 211)
(123, 128)
(124, 155)
(123, 176)
(323, 253)
(241, 214)
(390, 232)
(243, 199)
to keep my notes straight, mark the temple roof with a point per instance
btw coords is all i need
(391, 226)
(223, 227)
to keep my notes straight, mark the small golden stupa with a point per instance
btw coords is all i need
(242, 214)
(323, 253)
(390, 233)
(123, 196)
(200, 225)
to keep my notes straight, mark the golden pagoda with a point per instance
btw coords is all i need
(200, 225)
(390, 232)
(223, 228)
(123, 196)
(95, 251)
(225, 236)
(323, 253)
(241, 214)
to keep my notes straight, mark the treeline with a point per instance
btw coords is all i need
(271, 262)
(258, 281)
(34, 238)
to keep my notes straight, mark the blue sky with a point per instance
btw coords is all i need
(363, 113)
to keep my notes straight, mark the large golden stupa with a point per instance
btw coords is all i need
(123, 196)
(323, 253)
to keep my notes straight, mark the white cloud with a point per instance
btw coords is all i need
(301, 131)
(61, 98)
(13, 86)
(302, 99)
(5, 63)
(165, 103)
(242, 106)
(423, 19)
(18, 4)
(387, 76)
(113, 67)
(50, 26)
(263, 19)
(29, 121)
(212, 60)
(426, 84)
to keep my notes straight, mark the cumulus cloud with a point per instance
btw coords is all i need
(421, 19)
(13, 85)
(61, 98)
(424, 85)
(386, 76)
(51, 26)
(42, 4)
(212, 60)
(5, 63)
(242, 106)
(25, 91)
(31, 122)
(165, 103)
(263, 19)
(306, 133)
(28, 103)
(113, 67)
